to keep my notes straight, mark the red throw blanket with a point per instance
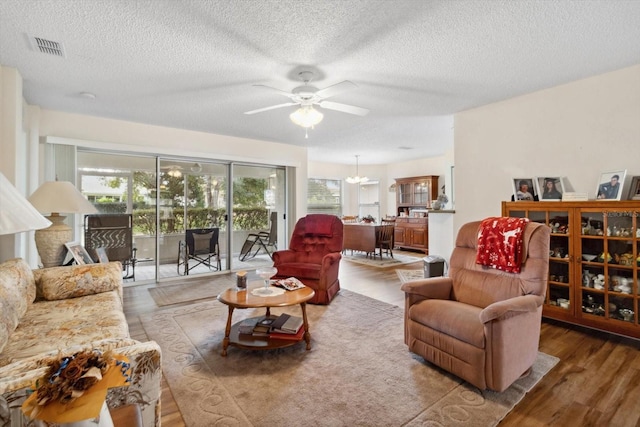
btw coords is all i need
(500, 243)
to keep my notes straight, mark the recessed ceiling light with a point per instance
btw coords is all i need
(405, 148)
(88, 95)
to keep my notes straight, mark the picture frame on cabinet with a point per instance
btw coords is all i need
(524, 189)
(550, 188)
(79, 253)
(610, 185)
(634, 190)
(101, 253)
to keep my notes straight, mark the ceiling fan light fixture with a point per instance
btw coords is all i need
(306, 116)
(356, 179)
(174, 172)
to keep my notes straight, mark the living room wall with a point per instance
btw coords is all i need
(577, 130)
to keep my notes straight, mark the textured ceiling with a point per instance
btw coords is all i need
(191, 64)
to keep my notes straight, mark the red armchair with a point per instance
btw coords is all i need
(313, 255)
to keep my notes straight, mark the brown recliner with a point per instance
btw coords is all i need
(313, 255)
(480, 323)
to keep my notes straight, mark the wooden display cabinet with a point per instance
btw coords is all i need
(415, 193)
(594, 259)
(412, 233)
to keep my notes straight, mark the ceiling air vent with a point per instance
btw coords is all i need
(47, 46)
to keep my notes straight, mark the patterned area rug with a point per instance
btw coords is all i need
(358, 372)
(398, 259)
(408, 275)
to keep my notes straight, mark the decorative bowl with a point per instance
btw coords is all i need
(589, 257)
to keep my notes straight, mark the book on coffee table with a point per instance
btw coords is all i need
(290, 284)
(281, 336)
(287, 324)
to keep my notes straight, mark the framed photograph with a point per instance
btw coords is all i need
(550, 188)
(79, 253)
(634, 191)
(102, 255)
(523, 189)
(610, 185)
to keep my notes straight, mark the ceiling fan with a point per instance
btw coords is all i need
(307, 96)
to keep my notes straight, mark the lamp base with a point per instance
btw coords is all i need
(50, 241)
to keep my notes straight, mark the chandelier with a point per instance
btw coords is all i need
(174, 171)
(356, 179)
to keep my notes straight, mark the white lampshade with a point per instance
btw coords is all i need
(16, 213)
(60, 197)
(57, 197)
(306, 116)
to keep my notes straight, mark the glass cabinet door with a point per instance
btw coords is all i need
(421, 192)
(404, 194)
(609, 273)
(561, 254)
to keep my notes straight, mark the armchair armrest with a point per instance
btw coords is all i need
(510, 307)
(284, 256)
(430, 288)
(329, 259)
(17, 378)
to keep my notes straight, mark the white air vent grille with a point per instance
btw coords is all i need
(47, 46)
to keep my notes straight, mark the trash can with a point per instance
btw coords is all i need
(433, 266)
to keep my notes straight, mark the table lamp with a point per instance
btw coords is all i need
(16, 213)
(55, 197)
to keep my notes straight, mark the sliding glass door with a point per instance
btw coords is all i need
(172, 199)
(259, 209)
(192, 207)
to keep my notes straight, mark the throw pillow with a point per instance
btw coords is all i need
(58, 283)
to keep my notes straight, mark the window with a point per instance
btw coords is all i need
(324, 196)
(369, 199)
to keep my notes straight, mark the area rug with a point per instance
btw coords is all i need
(358, 372)
(408, 275)
(386, 261)
(193, 290)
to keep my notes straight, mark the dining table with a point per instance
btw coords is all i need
(360, 237)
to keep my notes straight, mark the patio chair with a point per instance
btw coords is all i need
(264, 240)
(114, 233)
(201, 246)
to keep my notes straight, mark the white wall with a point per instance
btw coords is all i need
(577, 130)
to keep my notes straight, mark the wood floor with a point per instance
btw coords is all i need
(596, 382)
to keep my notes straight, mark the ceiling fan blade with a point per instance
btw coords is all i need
(351, 109)
(273, 107)
(281, 92)
(336, 89)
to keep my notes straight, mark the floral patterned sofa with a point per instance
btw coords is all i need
(59, 311)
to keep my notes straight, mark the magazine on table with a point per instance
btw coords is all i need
(290, 284)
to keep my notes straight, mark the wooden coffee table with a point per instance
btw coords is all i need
(244, 299)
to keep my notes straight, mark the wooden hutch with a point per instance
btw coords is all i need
(594, 261)
(414, 194)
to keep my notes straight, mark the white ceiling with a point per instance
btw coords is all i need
(191, 64)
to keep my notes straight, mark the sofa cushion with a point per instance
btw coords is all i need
(64, 323)
(58, 283)
(17, 292)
